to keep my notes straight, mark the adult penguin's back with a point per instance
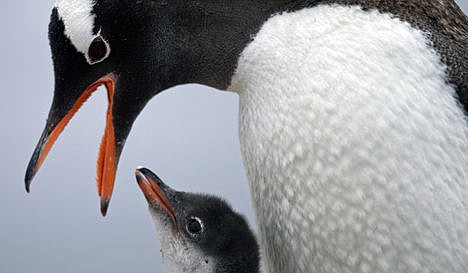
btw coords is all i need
(354, 133)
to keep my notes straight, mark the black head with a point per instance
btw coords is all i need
(138, 49)
(202, 227)
(105, 45)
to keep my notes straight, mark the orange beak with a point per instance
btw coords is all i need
(155, 192)
(107, 160)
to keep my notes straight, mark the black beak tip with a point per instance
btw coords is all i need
(32, 168)
(142, 170)
(148, 173)
(139, 173)
(145, 175)
(138, 178)
(28, 178)
(104, 206)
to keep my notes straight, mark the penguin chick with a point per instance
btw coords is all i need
(198, 233)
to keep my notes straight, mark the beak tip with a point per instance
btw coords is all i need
(141, 169)
(104, 205)
(27, 182)
(139, 174)
(142, 174)
(138, 178)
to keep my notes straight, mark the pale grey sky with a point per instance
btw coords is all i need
(188, 136)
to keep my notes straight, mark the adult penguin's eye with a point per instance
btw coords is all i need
(194, 226)
(98, 50)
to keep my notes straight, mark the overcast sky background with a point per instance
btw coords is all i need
(188, 136)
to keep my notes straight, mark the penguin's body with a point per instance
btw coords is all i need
(198, 233)
(366, 150)
(353, 116)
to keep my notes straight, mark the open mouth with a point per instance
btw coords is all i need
(107, 160)
(155, 192)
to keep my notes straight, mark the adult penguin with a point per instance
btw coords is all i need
(353, 115)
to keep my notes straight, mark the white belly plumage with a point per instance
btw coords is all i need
(355, 147)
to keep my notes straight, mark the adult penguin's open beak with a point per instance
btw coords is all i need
(130, 77)
(109, 151)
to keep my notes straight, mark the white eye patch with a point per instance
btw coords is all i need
(79, 22)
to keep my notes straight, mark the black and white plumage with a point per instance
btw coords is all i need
(353, 115)
(199, 233)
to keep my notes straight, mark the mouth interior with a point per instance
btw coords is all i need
(155, 195)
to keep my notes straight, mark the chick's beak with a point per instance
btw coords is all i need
(155, 192)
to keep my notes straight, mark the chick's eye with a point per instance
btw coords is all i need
(194, 225)
(98, 50)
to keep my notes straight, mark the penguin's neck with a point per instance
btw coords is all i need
(214, 34)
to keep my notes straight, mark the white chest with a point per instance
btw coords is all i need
(355, 148)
